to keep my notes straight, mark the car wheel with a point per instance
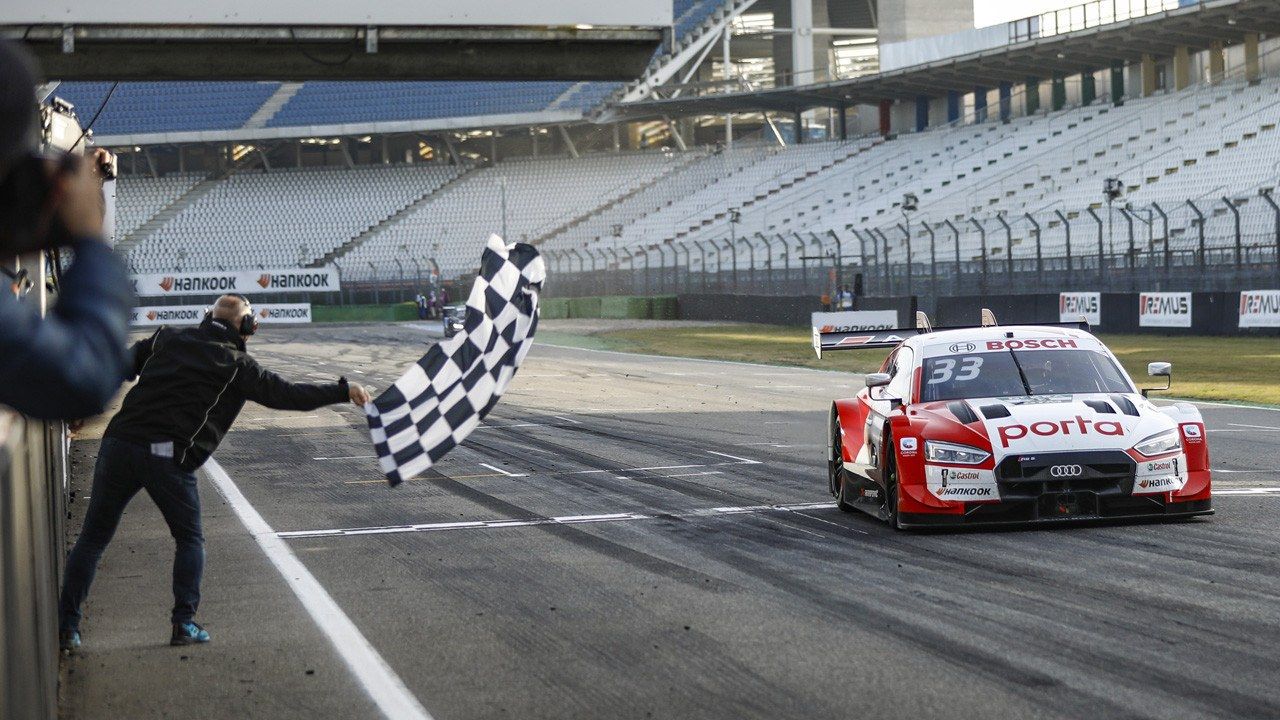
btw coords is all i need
(891, 484)
(835, 467)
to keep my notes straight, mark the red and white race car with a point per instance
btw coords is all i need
(1009, 425)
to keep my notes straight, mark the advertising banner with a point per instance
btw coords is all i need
(1260, 308)
(1164, 309)
(856, 320)
(246, 282)
(1074, 305)
(193, 314)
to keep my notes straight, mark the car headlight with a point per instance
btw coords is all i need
(951, 453)
(1159, 444)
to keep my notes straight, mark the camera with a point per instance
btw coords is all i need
(28, 218)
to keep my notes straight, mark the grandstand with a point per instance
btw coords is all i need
(999, 191)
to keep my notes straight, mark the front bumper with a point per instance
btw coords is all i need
(1102, 490)
(1045, 510)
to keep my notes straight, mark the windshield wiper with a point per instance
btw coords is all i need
(1025, 384)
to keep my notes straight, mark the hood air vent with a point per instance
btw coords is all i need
(991, 412)
(1101, 406)
(1126, 405)
(962, 411)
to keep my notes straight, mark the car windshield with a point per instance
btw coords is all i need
(1011, 373)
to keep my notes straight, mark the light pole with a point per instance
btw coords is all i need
(502, 187)
(1112, 189)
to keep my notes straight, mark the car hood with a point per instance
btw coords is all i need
(1064, 423)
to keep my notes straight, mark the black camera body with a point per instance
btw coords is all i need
(27, 219)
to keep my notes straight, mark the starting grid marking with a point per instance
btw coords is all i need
(562, 520)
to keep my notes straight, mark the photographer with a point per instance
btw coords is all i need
(69, 364)
(192, 383)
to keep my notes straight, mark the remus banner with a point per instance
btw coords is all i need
(245, 282)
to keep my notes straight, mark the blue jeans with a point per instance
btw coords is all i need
(122, 469)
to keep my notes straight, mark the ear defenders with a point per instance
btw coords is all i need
(248, 322)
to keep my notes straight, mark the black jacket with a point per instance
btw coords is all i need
(192, 383)
(70, 363)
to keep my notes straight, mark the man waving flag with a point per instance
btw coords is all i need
(436, 404)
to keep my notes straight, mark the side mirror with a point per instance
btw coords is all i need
(875, 380)
(1159, 369)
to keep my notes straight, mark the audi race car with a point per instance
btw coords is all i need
(1008, 425)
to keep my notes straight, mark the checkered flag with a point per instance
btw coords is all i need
(436, 404)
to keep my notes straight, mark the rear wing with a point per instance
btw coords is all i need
(871, 339)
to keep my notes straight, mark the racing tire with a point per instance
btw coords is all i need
(891, 484)
(836, 475)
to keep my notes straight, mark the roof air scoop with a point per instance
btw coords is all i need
(922, 322)
(988, 318)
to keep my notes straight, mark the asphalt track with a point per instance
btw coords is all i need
(633, 537)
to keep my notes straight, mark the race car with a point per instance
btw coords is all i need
(451, 319)
(995, 425)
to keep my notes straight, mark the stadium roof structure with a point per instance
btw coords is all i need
(1158, 34)
(337, 52)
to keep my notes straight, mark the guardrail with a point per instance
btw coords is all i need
(33, 490)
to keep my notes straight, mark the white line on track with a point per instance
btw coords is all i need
(1255, 427)
(744, 461)
(1247, 491)
(346, 457)
(501, 471)
(561, 520)
(384, 687)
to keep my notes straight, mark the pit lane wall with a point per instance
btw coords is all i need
(33, 486)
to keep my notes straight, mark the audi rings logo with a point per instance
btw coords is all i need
(1066, 471)
(963, 347)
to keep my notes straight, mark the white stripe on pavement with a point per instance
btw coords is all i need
(381, 683)
(501, 471)
(562, 520)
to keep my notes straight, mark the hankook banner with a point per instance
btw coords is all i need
(1164, 309)
(1260, 308)
(193, 314)
(1074, 305)
(856, 320)
(245, 282)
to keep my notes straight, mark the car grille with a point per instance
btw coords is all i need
(1105, 472)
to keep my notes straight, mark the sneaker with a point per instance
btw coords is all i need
(69, 641)
(188, 633)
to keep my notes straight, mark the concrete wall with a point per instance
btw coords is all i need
(907, 19)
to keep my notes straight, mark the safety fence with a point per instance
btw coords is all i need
(33, 492)
(935, 259)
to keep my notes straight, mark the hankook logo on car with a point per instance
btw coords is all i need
(964, 491)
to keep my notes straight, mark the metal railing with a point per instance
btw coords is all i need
(1122, 248)
(1087, 15)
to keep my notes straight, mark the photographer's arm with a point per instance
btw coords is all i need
(69, 364)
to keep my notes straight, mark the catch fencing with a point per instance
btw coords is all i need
(1198, 245)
